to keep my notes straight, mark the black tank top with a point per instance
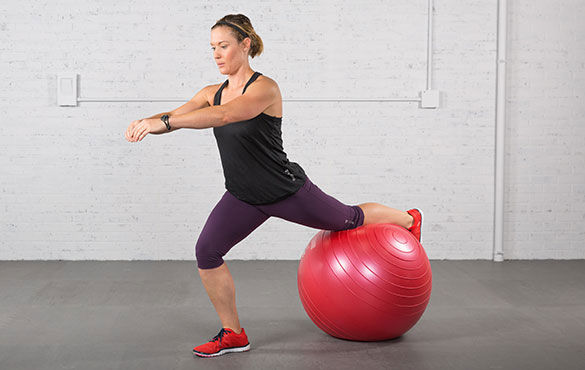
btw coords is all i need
(255, 166)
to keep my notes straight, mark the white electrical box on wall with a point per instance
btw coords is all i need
(429, 99)
(67, 89)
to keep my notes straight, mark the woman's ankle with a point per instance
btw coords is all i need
(411, 223)
(238, 331)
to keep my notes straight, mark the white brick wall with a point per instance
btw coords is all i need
(545, 194)
(71, 187)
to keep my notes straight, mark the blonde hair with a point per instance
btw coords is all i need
(244, 24)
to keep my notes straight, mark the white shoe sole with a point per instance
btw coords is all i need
(223, 351)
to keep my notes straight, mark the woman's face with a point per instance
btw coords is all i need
(227, 53)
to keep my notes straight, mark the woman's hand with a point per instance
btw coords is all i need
(140, 128)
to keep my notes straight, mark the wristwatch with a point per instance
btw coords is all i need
(165, 119)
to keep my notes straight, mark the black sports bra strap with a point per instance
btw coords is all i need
(252, 79)
(217, 97)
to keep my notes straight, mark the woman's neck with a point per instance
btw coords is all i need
(238, 80)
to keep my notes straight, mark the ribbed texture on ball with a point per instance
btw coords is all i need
(370, 283)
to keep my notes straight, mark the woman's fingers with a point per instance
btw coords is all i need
(139, 133)
(135, 128)
(130, 130)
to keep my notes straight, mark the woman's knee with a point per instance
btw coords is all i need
(208, 255)
(356, 218)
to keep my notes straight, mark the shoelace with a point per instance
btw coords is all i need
(220, 335)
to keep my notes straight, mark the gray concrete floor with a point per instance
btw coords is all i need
(149, 315)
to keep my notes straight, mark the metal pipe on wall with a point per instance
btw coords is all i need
(430, 45)
(498, 252)
(296, 100)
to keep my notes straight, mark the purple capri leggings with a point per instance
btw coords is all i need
(232, 220)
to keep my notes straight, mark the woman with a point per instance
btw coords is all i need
(246, 114)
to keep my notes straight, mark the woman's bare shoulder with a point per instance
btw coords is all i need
(211, 90)
(267, 79)
(269, 83)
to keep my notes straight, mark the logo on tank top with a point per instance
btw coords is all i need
(286, 171)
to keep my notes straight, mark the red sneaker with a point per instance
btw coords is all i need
(417, 225)
(224, 342)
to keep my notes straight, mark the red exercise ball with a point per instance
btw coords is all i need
(370, 283)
